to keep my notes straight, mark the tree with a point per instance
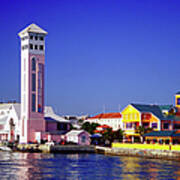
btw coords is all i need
(141, 130)
(108, 136)
(90, 127)
(86, 126)
(118, 135)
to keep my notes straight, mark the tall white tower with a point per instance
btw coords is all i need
(32, 83)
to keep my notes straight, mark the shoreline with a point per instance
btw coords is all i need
(70, 149)
(144, 153)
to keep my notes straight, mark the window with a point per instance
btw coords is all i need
(154, 125)
(178, 101)
(33, 64)
(176, 126)
(31, 46)
(129, 125)
(24, 38)
(146, 125)
(83, 139)
(40, 86)
(61, 126)
(31, 37)
(33, 102)
(36, 46)
(24, 47)
(33, 82)
(41, 47)
(36, 38)
(166, 125)
(42, 38)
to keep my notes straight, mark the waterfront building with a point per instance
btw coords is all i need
(163, 137)
(80, 137)
(158, 117)
(135, 115)
(10, 118)
(114, 120)
(9, 122)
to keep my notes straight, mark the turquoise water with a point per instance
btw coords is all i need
(83, 166)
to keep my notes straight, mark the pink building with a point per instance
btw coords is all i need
(79, 137)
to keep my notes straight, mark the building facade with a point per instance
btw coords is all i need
(114, 120)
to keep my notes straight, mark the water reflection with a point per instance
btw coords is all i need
(83, 166)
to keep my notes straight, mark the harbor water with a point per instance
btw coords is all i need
(19, 166)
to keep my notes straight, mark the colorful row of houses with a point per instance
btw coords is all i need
(164, 120)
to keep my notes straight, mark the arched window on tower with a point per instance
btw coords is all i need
(33, 64)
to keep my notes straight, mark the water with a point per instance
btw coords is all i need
(19, 166)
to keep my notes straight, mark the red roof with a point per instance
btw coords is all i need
(104, 126)
(106, 116)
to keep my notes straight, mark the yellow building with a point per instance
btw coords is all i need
(134, 115)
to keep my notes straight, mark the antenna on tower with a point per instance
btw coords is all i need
(104, 108)
(119, 107)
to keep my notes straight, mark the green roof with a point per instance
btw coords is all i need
(154, 109)
(178, 92)
(165, 107)
(162, 134)
(159, 133)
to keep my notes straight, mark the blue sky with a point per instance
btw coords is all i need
(98, 52)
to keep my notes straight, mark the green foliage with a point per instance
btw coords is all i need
(118, 135)
(113, 135)
(71, 126)
(90, 127)
(142, 130)
(80, 121)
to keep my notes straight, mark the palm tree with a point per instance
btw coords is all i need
(118, 134)
(141, 130)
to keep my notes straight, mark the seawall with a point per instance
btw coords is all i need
(137, 152)
(55, 149)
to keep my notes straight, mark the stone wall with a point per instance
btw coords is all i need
(146, 153)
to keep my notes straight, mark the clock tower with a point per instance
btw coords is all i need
(32, 83)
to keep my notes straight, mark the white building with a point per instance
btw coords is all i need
(10, 118)
(9, 122)
(113, 120)
(80, 137)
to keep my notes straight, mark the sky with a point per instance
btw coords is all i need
(101, 55)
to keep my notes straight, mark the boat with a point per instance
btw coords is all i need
(5, 148)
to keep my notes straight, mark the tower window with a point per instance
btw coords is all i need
(33, 64)
(36, 38)
(36, 47)
(42, 38)
(31, 46)
(33, 102)
(33, 82)
(24, 47)
(31, 37)
(41, 47)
